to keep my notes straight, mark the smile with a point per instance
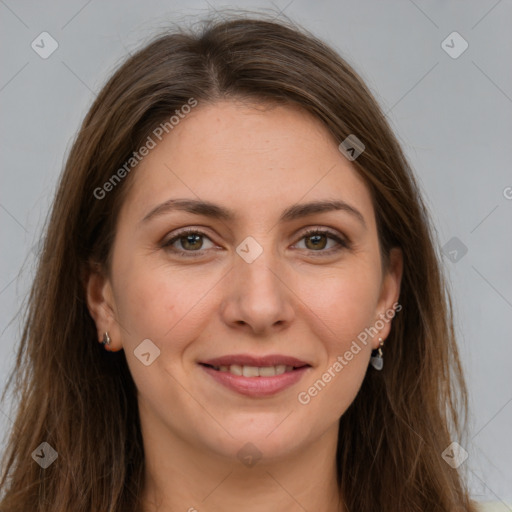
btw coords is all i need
(254, 371)
(254, 381)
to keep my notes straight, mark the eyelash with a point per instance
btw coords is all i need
(342, 243)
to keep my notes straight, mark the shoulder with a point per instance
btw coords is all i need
(494, 506)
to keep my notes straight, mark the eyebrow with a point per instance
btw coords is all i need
(214, 211)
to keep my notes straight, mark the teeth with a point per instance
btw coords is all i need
(280, 369)
(267, 371)
(236, 369)
(250, 371)
(255, 371)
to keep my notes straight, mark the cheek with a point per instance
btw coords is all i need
(347, 304)
(161, 303)
(151, 308)
(145, 307)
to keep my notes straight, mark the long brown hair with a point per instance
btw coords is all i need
(81, 399)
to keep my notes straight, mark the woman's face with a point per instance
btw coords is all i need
(249, 285)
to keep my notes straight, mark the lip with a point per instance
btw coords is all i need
(257, 387)
(250, 360)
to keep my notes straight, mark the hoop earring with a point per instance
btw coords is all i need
(376, 360)
(106, 339)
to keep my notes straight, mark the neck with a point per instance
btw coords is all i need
(183, 477)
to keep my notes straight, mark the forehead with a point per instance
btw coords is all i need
(250, 157)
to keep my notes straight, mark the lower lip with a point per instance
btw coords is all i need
(257, 386)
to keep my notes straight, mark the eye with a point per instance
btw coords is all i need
(318, 241)
(190, 241)
(191, 244)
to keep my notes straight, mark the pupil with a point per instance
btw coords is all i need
(189, 237)
(317, 240)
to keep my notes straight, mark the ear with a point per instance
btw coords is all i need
(390, 291)
(101, 305)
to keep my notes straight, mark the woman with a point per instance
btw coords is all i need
(240, 230)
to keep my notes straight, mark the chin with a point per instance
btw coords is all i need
(259, 439)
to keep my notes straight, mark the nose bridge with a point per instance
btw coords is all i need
(257, 296)
(257, 264)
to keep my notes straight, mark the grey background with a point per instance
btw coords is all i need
(452, 116)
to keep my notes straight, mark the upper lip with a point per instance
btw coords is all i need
(250, 360)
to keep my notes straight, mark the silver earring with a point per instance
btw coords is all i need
(376, 360)
(106, 339)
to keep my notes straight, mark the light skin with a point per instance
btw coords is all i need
(300, 297)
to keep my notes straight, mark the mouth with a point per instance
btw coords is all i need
(256, 377)
(255, 371)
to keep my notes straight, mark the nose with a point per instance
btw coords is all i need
(258, 297)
